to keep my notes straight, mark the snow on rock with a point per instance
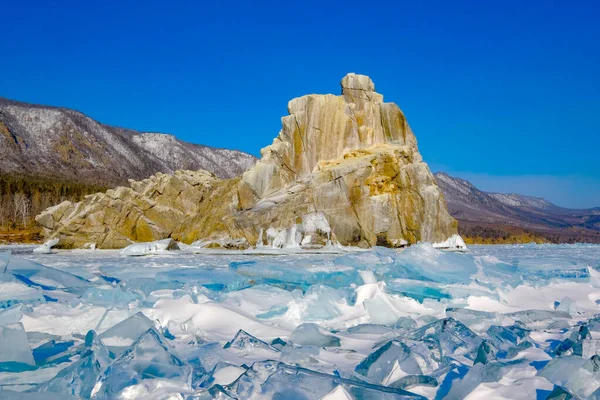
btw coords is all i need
(314, 231)
(143, 249)
(454, 242)
(45, 248)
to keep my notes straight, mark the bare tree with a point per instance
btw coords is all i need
(21, 208)
(26, 211)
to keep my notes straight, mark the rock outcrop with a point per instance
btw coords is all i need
(345, 168)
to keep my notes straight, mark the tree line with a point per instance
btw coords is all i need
(22, 198)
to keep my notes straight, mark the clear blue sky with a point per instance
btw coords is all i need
(505, 93)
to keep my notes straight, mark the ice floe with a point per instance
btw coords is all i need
(488, 322)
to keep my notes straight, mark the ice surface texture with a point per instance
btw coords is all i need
(494, 322)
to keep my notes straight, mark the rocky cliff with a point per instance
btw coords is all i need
(343, 168)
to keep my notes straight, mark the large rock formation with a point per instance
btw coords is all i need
(346, 166)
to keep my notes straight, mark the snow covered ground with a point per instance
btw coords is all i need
(511, 322)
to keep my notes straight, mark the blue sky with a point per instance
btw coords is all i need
(505, 93)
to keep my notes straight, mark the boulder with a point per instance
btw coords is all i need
(350, 163)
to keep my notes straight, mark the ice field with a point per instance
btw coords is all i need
(494, 322)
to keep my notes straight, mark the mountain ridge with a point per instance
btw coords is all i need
(500, 213)
(40, 140)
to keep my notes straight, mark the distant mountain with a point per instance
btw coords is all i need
(59, 143)
(482, 213)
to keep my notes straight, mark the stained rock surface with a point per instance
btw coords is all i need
(343, 168)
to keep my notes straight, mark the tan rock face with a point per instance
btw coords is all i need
(351, 159)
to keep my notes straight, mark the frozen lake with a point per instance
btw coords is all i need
(493, 322)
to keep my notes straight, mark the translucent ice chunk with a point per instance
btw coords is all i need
(269, 379)
(322, 303)
(223, 373)
(15, 353)
(560, 394)
(278, 343)
(245, 341)
(485, 353)
(79, 378)
(474, 318)
(418, 290)
(212, 278)
(109, 297)
(543, 269)
(339, 393)
(145, 367)
(370, 329)
(46, 278)
(389, 364)
(573, 345)
(122, 335)
(216, 392)
(10, 315)
(452, 337)
(4, 260)
(49, 350)
(578, 375)
(310, 335)
(424, 261)
(509, 340)
(12, 395)
(13, 292)
(532, 316)
(295, 274)
(590, 348)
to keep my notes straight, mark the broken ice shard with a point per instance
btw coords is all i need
(49, 350)
(245, 341)
(578, 375)
(509, 340)
(389, 364)
(223, 373)
(46, 278)
(310, 335)
(450, 336)
(15, 353)
(79, 378)
(147, 365)
(122, 335)
(271, 379)
(573, 345)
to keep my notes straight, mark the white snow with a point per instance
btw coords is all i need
(453, 242)
(45, 248)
